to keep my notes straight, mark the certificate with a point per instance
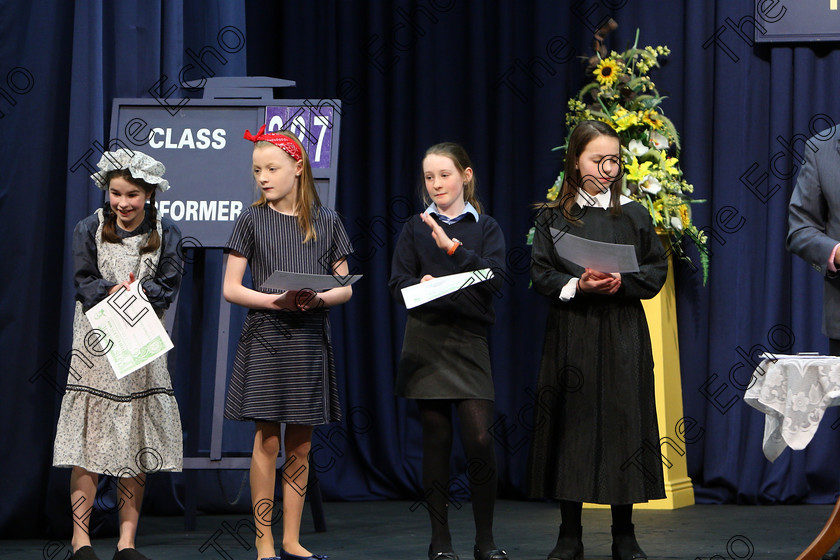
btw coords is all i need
(134, 336)
(597, 255)
(280, 280)
(425, 292)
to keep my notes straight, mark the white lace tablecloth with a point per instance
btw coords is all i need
(794, 392)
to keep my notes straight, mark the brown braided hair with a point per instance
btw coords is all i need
(109, 227)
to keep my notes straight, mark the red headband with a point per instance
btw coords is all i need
(278, 139)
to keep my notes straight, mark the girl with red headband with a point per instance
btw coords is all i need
(445, 359)
(284, 370)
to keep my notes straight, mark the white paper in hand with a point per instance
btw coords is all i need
(597, 255)
(425, 292)
(128, 330)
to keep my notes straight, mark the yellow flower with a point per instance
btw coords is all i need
(684, 215)
(624, 119)
(649, 118)
(669, 164)
(606, 72)
(575, 105)
(552, 193)
(657, 217)
(636, 171)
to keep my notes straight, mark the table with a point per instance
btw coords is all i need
(794, 393)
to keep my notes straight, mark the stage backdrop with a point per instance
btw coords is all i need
(494, 76)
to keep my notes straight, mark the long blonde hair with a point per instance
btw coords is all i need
(308, 203)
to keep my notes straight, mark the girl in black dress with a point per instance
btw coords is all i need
(598, 439)
(445, 360)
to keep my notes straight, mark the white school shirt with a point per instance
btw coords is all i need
(584, 199)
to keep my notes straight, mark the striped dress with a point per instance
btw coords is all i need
(284, 369)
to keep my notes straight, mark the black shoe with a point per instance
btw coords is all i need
(495, 554)
(442, 555)
(128, 554)
(84, 553)
(569, 544)
(625, 546)
(832, 555)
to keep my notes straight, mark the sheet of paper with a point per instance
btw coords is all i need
(425, 292)
(131, 332)
(603, 257)
(281, 280)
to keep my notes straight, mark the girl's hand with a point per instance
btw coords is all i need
(125, 284)
(305, 300)
(297, 300)
(284, 301)
(441, 239)
(428, 277)
(596, 282)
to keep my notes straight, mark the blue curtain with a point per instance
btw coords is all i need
(494, 76)
(79, 57)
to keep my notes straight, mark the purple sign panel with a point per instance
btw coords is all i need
(312, 125)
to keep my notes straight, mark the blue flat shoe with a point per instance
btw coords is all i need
(286, 556)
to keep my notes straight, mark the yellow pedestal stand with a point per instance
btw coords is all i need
(661, 314)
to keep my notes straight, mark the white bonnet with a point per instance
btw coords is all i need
(138, 164)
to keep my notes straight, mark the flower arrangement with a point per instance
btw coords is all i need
(622, 95)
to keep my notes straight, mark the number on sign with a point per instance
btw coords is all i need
(324, 123)
(275, 124)
(298, 128)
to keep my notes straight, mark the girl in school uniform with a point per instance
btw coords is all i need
(284, 370)
(592, 439)
(130, 426)
(445, 361)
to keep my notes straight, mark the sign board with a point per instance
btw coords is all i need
(208, 163)
(788, 20)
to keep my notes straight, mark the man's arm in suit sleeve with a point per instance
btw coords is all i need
(808, 214)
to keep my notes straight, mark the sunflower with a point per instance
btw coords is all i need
(606, 72)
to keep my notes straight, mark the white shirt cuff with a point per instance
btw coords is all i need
(569, 290)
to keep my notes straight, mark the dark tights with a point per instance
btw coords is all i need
(622, 515)
(475, 417)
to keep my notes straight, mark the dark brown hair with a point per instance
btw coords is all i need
(459, 157)
(109, 231)
(584, 133)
